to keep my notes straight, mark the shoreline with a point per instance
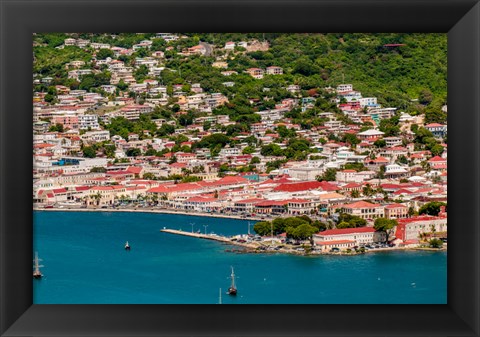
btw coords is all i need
(249, 248)
(148, 210)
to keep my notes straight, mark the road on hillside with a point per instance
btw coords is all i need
(207, 47)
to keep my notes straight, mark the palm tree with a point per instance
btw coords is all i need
(433, 230)
(155, 198)
(96, 197)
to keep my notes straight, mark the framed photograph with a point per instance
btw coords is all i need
(284, 160)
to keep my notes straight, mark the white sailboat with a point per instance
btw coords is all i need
(36, 272)
(233, 289)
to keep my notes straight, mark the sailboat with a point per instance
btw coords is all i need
(127, 246)
(233, 289)
(36, 273)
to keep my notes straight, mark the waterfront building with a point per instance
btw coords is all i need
(408, 230)
(364, 210)
(396, 211)
(347, 238)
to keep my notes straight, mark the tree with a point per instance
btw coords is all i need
(304, 232)
(330, 174)
(133, 152)
(380, 143)
(122, 85)
(248, 150)
(97, 197)
(49, 98)
(56, 128)
(103, 53)
(97, 169)
(355, 194)
(431, 208)
(151, 152)
(367, 190)
(425, 96)
(435, 243)
(271, 150)
(255, 160)
(385, 225)
(345, 224)
(353, 221)
(207, 125)
(89, 152)
(141, 73)
(351, 139)
(263, 228)
(149, 176)
(436, 150)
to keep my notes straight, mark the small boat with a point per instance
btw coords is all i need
(36, 272)
(233, 289)
(127, 246)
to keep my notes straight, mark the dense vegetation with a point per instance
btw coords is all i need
(415, 70)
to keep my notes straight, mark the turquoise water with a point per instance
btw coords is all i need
(85, 263)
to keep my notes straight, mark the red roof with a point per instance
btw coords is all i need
(180, 165)
(59, 190)
(249, 201)
(378, 160)
(437, 159)
(334, 242)
(343, 231)
(230, 180)
(433, 125)
(272, 203)
(418, 218)
(134, 169)
(402, 191)
(42, 146)
(295, 187)
(352, 185)
(201, 199)
(396, 205)
(361, 204)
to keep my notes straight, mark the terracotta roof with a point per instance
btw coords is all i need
(301, 186)
(249, 201)
(346, 231)
(334, 242)
(437, 159)
(134, 169)
(362, 204)
(201, 199)
(272, 203)
(396, 205)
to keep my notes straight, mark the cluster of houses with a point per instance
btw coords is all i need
(396, 180)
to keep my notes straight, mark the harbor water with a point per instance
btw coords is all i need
(85, 263)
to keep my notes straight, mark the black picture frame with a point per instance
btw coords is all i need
(19, 19)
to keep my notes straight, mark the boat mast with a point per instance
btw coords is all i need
(220, 296)
(37, 265)
(233, 280)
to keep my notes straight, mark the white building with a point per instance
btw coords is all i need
(89, 122)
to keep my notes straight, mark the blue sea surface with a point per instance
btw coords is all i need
(85, 263)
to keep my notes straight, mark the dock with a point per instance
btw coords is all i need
(213, 237)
